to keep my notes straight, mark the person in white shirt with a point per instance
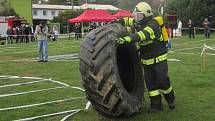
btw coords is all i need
(42, 32)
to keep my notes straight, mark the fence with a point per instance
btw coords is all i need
(12, 39)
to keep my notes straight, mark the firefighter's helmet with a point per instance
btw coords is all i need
(142, 10)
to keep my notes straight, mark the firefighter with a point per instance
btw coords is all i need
(151, 38)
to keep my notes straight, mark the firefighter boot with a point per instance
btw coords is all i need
(170, 98)
(156, 105)
(172, 105)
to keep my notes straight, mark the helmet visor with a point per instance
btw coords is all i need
(138, 16)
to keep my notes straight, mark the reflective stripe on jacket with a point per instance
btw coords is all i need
(149, 39)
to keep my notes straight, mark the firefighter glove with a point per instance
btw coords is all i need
(123, 40)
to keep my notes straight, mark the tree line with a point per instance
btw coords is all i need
(6, 10)
(197, 10)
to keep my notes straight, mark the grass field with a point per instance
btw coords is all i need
(193, 83)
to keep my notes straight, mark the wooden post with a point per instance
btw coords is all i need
(203, 60)
(82, 30)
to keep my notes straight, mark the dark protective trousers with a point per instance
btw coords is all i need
(157, 82)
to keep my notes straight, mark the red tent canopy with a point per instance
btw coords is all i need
(93, 16)
(123, 13)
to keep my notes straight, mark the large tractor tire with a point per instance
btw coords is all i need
(111, 75)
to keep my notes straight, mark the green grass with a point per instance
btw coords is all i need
(194, 85)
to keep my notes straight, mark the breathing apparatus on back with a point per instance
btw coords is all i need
(143, 10)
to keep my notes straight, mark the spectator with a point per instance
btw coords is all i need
(191, 27)
(77, 31)
(56, 33)
(32, 33)
(1, 43)
(179, 27)
(27, 33)
(206, 25)
(42, 32)
(22, 31)
(18, 34)
(10, 35)
(92, 26)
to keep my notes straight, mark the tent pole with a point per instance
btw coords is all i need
(82, 29)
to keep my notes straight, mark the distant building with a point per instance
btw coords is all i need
(48, 12)
(99, 7)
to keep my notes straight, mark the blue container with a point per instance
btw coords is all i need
(169, 45)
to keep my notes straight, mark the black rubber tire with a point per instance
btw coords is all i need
(111, 75)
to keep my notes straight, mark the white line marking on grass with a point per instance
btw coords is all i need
(73, 87)
(29, 60)
(61, 83)
(189, 42)
(22, 60)
(204, 40)
(12, 47)
(212, 54)
(48, 115)
(65, 118)
(10, 77)
(185, 49)
(44, 103)
(71, 42)
(183, 53)
(88, 105)
(189, 48)
(63, 58)
(27, 77)
(21, 52)
(210, 47)
(77, 88)
(209, 53)
(20, 84)
(203, 50)
(18, 77)
(21, 93)
(40, 104)
(174, 60)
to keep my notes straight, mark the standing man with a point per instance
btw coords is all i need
(153, 52)
(206, 25)
(32, 33)
(18, 34)
(55, 32)
(27, 33)
(191, 29)
(22, 33)
(10, 35)
(42, 32)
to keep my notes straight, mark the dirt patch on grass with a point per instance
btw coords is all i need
(5, 58)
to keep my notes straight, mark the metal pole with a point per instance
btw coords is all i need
(72, 3)
(161, 8)
(6, 40)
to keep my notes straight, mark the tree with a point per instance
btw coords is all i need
(197, 10)
(64, 16)
(6, 10)
(130, 4)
